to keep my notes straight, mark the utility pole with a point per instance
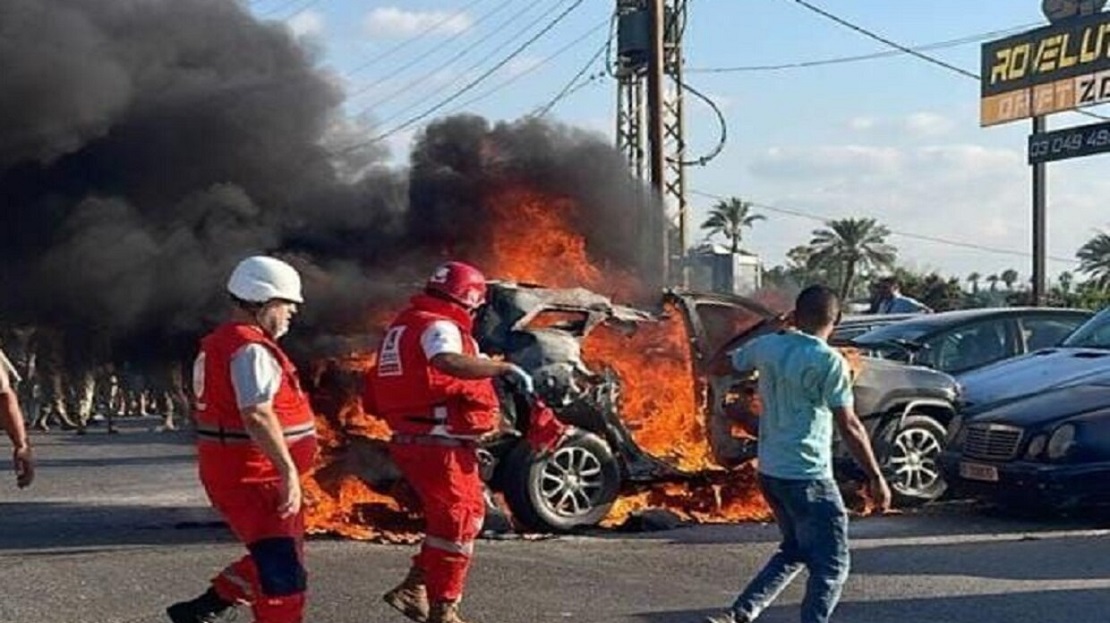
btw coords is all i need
(650, 130)
(1040, 224)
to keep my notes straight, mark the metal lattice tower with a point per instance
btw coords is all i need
(633, 132)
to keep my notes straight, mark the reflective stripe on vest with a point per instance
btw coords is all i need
(291, 434)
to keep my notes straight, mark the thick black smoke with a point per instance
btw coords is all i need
(148, 145)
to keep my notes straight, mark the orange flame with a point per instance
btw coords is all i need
(530, 239)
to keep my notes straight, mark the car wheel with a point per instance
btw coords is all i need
(573, 487)
(910, 460)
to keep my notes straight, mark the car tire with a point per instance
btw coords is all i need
(572, 487)
(909, 458)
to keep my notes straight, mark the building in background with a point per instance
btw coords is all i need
(713, 268)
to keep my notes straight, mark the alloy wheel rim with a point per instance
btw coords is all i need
(570, 481)
(914, 461)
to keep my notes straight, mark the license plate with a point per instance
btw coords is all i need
(975, 471)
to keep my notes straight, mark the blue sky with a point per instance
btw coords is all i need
(896, 138)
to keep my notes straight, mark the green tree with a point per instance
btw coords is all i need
(1009, 277)
(1094, 260)
(729, 218)
(1066, 280)
(993, 280)
(973, 279)
(852, 246)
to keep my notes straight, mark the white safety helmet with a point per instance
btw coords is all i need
(259, 279)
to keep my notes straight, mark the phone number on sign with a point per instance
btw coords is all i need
(1065, 144)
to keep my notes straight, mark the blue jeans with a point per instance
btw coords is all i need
(814, 526)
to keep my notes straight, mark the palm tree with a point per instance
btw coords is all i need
(993, 280)
(728, 218)
(1009, 277)
(973, 279)
(1094, 260)
(1066, 279)
(853, 245)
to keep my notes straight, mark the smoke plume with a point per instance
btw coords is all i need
(148, 145)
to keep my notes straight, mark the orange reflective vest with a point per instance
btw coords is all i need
(417, 399)
(225, 450)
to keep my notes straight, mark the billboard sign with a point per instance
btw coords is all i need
(1069, 143)
(1059, 67)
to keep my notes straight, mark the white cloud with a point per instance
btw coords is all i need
(829, 161)
(861, 124)
(393, 22)
(521, 65)
(928, 124)
(307, 24)
(962, 192)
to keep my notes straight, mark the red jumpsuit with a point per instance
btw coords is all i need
(243, 484)
(436, 420)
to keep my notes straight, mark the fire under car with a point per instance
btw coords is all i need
(546, 330)
(637, 387)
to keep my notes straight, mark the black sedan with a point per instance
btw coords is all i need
(961, 341)
(1049, 451)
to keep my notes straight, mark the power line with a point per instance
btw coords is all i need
(281, 8)
(570, 85)
(419, 58)
(925, 57)
(884, 40)
(721, 141)
(418, 36)
(407, 87)
(903, 234)
(470, 85)
(512, 79)
(950, 43)
(305, 7)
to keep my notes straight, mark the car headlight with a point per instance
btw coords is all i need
(1061, 442)
(1036, 446)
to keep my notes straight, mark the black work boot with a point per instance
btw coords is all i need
(208, 608)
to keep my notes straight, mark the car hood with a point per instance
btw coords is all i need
(1048, 407)
(1033, 374)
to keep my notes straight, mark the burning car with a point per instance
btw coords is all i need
(906, 408)
(657, 419)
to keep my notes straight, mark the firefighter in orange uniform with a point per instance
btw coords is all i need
(255, 438)
(435, 390)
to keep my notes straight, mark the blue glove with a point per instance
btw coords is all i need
(522, 377)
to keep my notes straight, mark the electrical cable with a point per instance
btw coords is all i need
(470, 85)
(415, 61)
(912, 236)
(570, 85)
(716, 151)
(408, 86)
(305, 7)
(929, 59)
(862, 57)
(420, 35)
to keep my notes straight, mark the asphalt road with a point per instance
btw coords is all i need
(115, 528)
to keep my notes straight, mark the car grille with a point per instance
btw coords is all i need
(993, 442)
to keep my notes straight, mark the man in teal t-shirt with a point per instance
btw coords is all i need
(805, 388)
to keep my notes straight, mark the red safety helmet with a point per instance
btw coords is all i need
(459, 282)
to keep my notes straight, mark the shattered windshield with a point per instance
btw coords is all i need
(1094, 334)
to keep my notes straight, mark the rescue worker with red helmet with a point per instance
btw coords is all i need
(255, 438)
(434, 389)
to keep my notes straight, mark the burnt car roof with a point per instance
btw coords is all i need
(527, 300)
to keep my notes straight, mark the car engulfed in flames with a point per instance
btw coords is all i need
(648, 431)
